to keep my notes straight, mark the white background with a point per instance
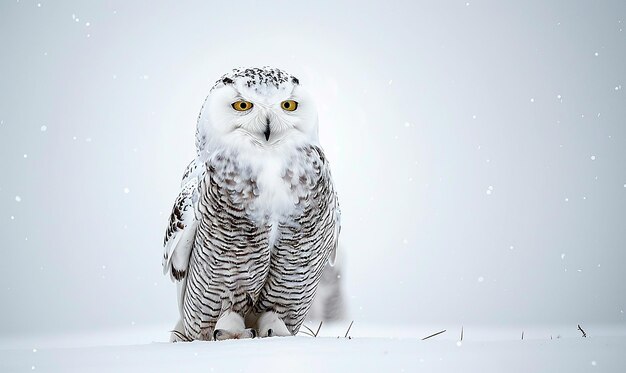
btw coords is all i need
(479, 151)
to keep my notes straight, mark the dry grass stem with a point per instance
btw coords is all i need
(349, 327)
(432, 335)
(582, 331)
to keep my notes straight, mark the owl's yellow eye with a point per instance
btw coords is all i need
(242, 105)
(289, 105)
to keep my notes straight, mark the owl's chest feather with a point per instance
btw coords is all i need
(270, 189)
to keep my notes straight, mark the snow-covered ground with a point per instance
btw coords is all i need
(482, 350)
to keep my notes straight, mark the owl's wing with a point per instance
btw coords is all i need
(327, 214)
(181, 230)
(336, 230)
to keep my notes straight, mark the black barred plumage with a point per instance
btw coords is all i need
(234, 266)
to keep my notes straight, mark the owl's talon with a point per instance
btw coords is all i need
(222, 335)
(270, 325)
(231, 325)
(216, 334)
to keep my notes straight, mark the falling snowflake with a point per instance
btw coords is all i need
(563, 256)
(532, 99)
(18, 199)
(481, 279)
(126, 190)
(593, 157)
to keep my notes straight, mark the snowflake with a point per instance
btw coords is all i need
(44, 128)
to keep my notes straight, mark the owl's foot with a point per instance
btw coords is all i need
(270, 325)
(231, 325)
(222, 334)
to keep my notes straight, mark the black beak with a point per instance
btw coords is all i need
(267, 129)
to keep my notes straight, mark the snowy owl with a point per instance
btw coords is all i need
(257, 217)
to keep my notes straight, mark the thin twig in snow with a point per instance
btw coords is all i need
(432, 335)
(311, 332)
(306, 333)
(319, 328)
(349, 327)
(461, 333)
(582, 331)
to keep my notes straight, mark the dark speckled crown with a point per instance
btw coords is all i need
(266, 75)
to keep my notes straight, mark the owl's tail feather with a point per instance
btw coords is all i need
(178, 334)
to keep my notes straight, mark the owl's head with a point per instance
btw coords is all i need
(257, 108)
